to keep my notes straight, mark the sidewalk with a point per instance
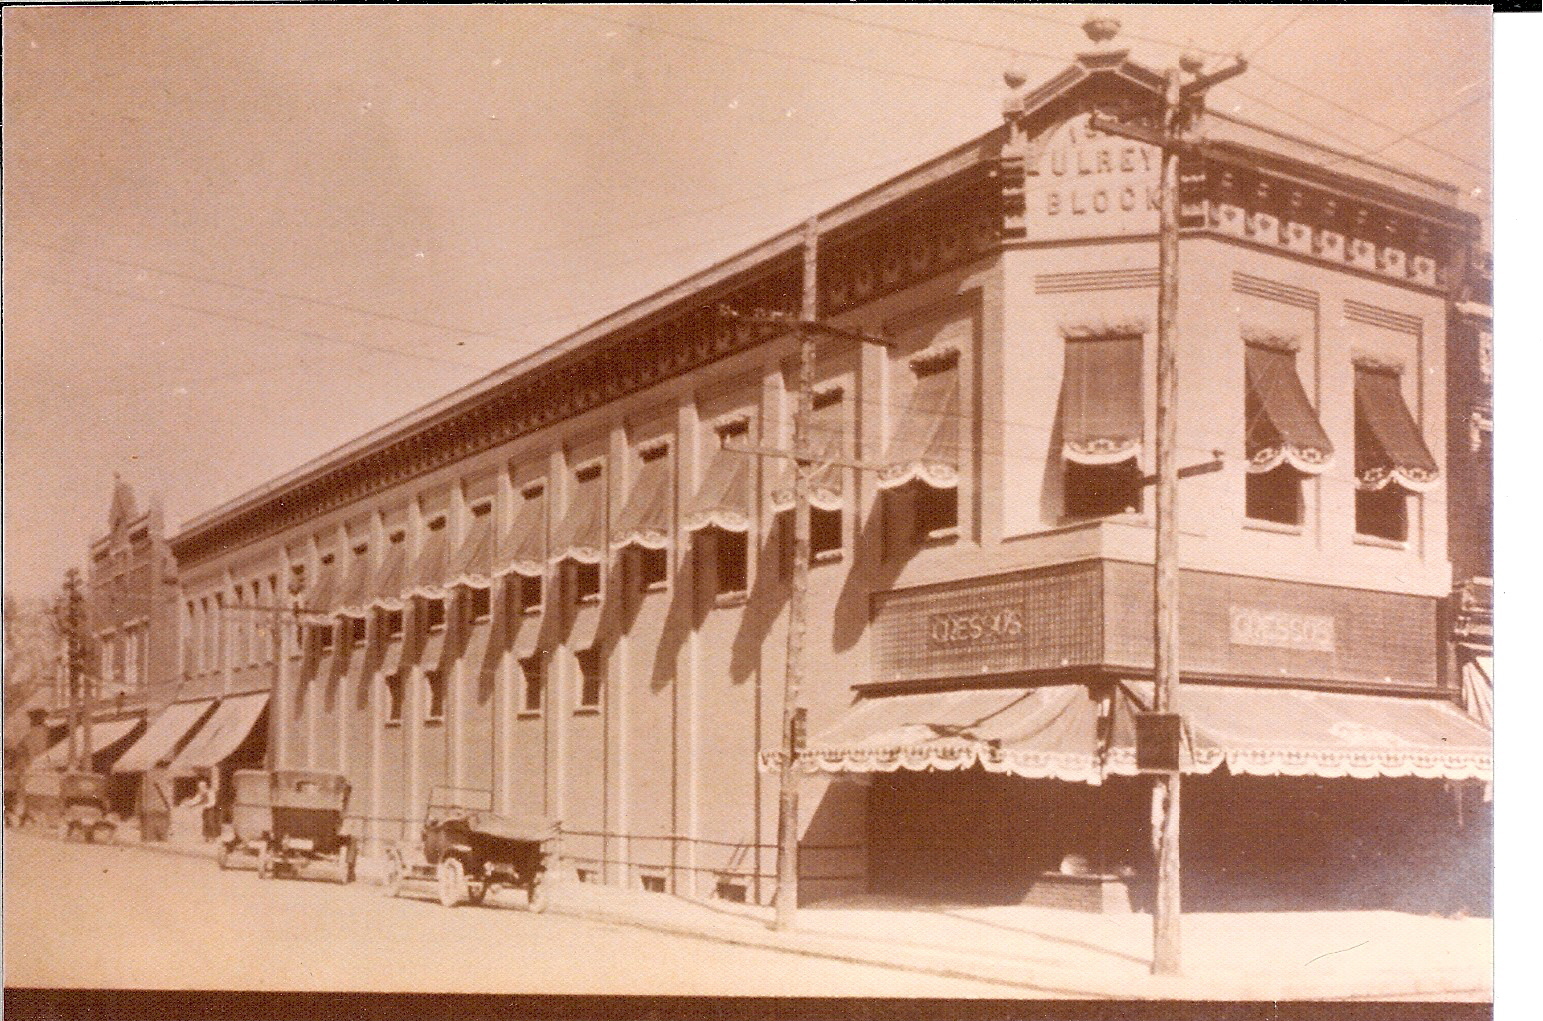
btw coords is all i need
(1032, 951)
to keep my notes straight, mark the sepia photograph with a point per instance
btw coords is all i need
(748, 510)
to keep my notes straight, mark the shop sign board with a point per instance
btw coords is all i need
(1281, 629)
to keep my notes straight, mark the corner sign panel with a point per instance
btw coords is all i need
(1082, 183)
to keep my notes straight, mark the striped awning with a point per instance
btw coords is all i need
(523, 547)
(472, 564)
(1297, 732)
(391, 576)
(1101, 412)
(581, 534)
(354, 595)
(322, 593)
(1388, 446)
(106, 737)
(826, 440)
(161, 738)
(723, 498)
(427, 577)
(223, 732)
(925, 447)
(1282, 426)
(645, 517)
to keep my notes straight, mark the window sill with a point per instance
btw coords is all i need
(436, 629)
(482, 619)
(587, 600)
(830, 556)
(725, 600)
(656, 586)
(586, 710)
(528, 714)
(1266, 525)
(532, 611)
(939, 537)
(1380, 542)
(393, 723)
(433, 721)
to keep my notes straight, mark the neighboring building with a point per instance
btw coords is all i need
(1471, 468)
(557, 585)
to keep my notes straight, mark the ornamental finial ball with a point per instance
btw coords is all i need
(1101, 28)
(1190, 62)
(1015, 74)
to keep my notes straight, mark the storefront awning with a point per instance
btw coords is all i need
(581, 535)
(723, 498)
(223, 732)
(1047, 732)
(160, 739)
(523, 548)
(427, 576)
(472, 564)
(925, 447)
(1388, 446)
(825, 480)
(1282, 426)
(354, 595)
(103, 736)
(1294, 732)
(645, 517)
(391, 576)
(18, 721)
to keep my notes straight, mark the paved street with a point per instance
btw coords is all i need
(122, 917)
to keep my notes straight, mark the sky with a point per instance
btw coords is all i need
(238, 237)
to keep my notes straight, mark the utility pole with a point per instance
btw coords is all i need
(80, 753)
(809, 329)
(1182, 103)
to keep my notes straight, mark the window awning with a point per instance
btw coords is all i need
(1101, 399)
(160, 739)
(1479, 689)
(645, 517)
(472, 564)
(1282, 426)
(723, 498)
(825, 480)
(925, 447)
(1388, 444)
(320, 596)
(523, 550)
(1295, 732)
(1045, 732)
(426, 576)
(104, 735)
(223, 732)
(354, 596)
(581, 535)
(391, 576)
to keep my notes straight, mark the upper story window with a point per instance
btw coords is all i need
(718, 516)
(642, 532)
(580, 538)
(826, 482)
(1282, 436)
(534, 669)
(1102, 423)
(1391, 458)
(479, 603)
(923, 456)
(433, 614)
(523, 548)
(393, 691)
(591, 677)
(391, 624)
(358, 629)
(434, 696)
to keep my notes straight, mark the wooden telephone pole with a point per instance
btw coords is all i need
(809, 328)
(1182, 103)
(78, 683)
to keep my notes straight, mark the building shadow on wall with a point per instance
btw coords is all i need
(683, 616)
(763, 607)
(852, 605)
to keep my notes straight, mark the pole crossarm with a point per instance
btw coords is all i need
(806, 459)
(1189, 471)
(1202, 83)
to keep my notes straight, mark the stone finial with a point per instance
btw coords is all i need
(1191, 62)
(1101, 28)
(1015, 74)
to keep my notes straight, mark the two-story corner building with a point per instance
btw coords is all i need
(560, 585)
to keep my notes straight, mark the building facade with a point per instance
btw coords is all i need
(561, 590)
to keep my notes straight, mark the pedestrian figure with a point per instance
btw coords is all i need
(155, 803)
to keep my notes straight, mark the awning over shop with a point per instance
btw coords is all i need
(581, 535)
(723, 498)
(925, 447)
(1282, 426)
(18, 721)
(1479, 689)
(391, 576)
(354, 595)
(1101, 412)
(160, 739)
(523, 549)
(645, 517)
(103, 736)
(426, 576)
(1388, 444)
(223, 732)
(825, 442)
(1047, 732)
(1294, 732)
(472, 564)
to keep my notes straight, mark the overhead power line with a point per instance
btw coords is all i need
(919, 33)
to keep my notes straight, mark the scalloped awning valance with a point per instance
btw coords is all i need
(1388, 446)
(925, 447)
(645, 517)
(1282, 427)
(1101, 415)
(723, 499)
(581, 535)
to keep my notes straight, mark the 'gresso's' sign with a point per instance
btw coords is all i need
(989, 625)
(1281, 629)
